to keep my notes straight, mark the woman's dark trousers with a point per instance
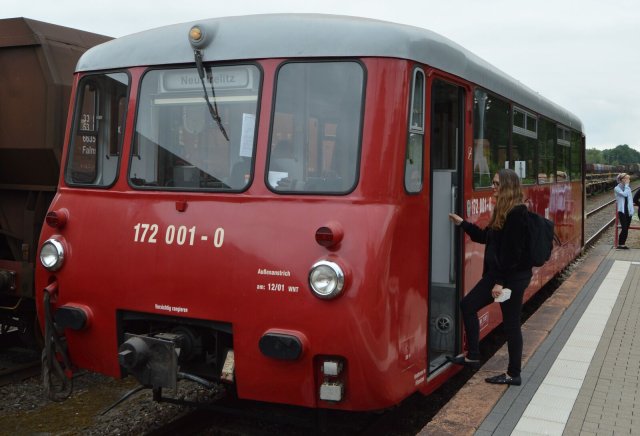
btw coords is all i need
(479, 297)
(625, 222)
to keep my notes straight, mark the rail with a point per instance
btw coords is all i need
(599, 208)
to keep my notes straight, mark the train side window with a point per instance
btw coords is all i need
(413, 171)
(96, 140)
(490, 136)
(546, 140)
(576, 155)
(563, 154)
(523, 145)
(315, 136)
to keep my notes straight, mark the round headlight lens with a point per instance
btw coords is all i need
(52, 255)
(326, 279)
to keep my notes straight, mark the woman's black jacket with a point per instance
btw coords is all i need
(506, 252)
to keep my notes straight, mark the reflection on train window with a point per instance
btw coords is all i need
(563, 155)
(100, 114)
(178, 145)
(315, 138)
(576, 154)
(490, 136)
(546, 146)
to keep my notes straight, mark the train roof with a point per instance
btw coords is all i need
(315, 35)
(18, 32)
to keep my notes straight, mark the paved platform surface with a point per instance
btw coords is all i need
(581, 362)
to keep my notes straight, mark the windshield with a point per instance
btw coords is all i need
(177, 143)
(315, 135)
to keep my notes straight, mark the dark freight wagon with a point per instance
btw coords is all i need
(37, 61)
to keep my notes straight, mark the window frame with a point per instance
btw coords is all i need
(83, 80)
(135, 147)
(415, 129)
(272, 116)
(524, 131)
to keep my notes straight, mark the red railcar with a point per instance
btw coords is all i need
(263, 201)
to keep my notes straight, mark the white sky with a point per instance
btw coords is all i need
(581, 54)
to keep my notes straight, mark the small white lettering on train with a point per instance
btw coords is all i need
(268, 272)
(168, 308)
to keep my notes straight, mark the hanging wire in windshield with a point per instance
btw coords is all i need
(213, 109)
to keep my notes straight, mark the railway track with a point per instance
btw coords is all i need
(17, 363)
(18, 372)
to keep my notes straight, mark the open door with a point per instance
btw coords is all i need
(447, 119)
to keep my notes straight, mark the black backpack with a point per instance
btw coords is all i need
(541, 237)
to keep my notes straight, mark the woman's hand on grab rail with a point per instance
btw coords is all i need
(456, 219)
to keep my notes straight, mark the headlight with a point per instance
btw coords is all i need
(326, 279)
(52, 255)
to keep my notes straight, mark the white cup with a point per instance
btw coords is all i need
(506, 294)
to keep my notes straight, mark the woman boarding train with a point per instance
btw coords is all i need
(506, 266)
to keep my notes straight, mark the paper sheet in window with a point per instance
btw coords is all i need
(275, 177)
(520, 167)
(246, 138)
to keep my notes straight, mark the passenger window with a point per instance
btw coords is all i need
(490, 137)
(315, 137)
(546, 140)
(576, 155)
(524, 145)
(563, 155)
(97, 130)
(413, 171)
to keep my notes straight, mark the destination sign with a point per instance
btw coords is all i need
(223, 78)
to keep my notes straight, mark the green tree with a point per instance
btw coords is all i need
(593, 155)
(621, 155)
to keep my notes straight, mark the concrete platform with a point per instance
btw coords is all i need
(581, 362)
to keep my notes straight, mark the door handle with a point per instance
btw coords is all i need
(452, 269)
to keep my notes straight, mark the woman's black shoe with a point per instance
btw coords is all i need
(504, 379)
(461, 360)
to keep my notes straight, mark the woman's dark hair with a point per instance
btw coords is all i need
(509, 196)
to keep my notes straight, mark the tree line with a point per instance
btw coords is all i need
(621, 155)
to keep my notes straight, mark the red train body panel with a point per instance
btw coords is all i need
(37, 62)
(218, 271)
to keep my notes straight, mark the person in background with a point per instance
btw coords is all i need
(506, 265)
(625, 209)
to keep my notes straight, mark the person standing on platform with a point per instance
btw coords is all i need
(506, 266)
(625, 209)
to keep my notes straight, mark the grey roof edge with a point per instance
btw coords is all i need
(315, 35)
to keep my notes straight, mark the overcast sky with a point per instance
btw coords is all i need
(583, 55)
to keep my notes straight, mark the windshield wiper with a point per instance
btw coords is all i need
(213, 109)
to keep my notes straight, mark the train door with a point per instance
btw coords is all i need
(447, 117)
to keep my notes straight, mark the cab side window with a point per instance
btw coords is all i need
(413, 171)
(96, 140)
